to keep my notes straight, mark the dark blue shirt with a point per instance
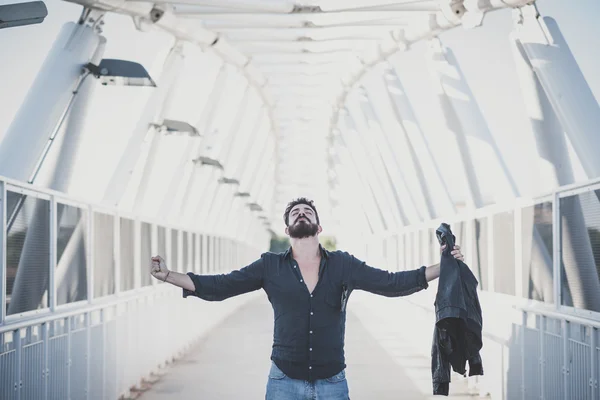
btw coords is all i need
(308, 338)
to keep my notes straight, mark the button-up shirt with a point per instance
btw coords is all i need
(308, 339)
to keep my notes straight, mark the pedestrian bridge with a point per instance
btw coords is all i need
(183, 127)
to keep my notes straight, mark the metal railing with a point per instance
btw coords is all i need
(98, 323)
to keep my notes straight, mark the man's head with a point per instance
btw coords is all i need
(301, 219)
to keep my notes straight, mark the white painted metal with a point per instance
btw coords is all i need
(120, 177)
(48, 97)
(568, 92)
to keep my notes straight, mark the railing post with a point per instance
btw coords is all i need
(594, 358)
(88, 346)
(69, 361)
(18, 361)
(566, 370)
(46, 369)
(523, 348)
(542, 365)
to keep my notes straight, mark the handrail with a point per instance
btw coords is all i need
(557, 314)
(102, 303)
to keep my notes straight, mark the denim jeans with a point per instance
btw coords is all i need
(281, 387)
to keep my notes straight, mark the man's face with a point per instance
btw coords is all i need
(302, 222)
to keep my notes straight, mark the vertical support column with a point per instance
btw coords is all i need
(154, 246)
(470, 241)
(556, 250)
(117, 251)
(2, 252)
(45, 369)
(198, 261)
(137, 257)
(518, 243)
(52, 289)
(490, 247)
(91, 254)
(180, 266)
(169, 249)
(205, 251)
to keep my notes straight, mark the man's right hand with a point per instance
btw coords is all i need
(159, 268)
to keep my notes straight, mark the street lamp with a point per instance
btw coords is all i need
(211, 162)
(173, 127)
(21, 14)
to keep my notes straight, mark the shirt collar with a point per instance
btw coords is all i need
(324, 252)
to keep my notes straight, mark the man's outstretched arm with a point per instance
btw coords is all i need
(393, 284)
(212, 287)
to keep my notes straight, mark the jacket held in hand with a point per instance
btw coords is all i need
(457, 332)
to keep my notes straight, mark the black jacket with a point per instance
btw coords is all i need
(457, 333)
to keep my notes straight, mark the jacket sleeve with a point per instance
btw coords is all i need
(385, 283)
(440, 365)
(223, 286)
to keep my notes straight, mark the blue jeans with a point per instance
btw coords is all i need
(281, 387)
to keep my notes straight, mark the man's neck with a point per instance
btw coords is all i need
(306, 248)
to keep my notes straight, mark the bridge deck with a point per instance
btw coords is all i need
(232, 362)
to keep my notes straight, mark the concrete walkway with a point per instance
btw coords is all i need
(232, 362)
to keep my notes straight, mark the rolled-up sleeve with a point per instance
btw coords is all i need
(385, 283)
(224, 286)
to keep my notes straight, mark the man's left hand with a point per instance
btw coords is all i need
(456, 252)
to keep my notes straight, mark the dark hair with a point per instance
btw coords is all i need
(294, 203)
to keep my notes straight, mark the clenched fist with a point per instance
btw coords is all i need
(159, 268)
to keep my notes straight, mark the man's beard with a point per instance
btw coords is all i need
(303, 230)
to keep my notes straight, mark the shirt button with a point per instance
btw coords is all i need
(310, 332)
(301, 280)
(311, 313)
(310, 367)
(294, 266)
(311, 295)
(310, 349)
